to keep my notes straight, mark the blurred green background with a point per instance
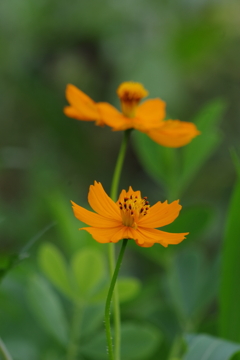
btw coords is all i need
(185, 52)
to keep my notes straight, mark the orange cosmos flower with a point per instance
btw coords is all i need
(131, 217)
(147, 117)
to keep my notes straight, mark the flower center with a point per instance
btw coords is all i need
(130, 93)
(132, 209)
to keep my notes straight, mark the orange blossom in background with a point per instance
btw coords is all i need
(147, 117)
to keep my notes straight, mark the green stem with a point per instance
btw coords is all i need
(72, 353)
(173, 186)
(176, 348)
(4, 352)
(119, 164)
(111, 254)
(108, 301)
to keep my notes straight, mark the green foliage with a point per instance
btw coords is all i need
(139, 342)
(174, 168)
(194, 219)
(92, 320)
(22, 348)
(179, 51)
(85, 279)
(229, 317)
(88, 268)
(48, 309)
(128, 288)
(156, 160)
(60, 208)
(191, 288)
(81, 280)
(55, 268)
(196, 42)
(205, 347)
(195, 154)
(235, 160)
(6, 263)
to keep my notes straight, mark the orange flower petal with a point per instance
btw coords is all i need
(147, 245)
(140, 239)
(148, 237)
(92, 219)
(160, 214)
(133, 193)
(150, 114)
(83, 104)
(114, 222)
(102, 203)
(144, 238)
(112, 117)
(128, 193)
(174, 133)
(75, 114)
(106, 235)
(123, 233)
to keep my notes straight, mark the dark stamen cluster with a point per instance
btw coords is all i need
(146, 206)
(130, 205)
(130, 96)
(125, 205)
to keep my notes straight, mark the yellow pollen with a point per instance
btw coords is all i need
(130, 93)
(132, 210)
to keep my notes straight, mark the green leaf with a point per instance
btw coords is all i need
(155, 159)
(230, 290)
(55, 268)
(235, 160)
(176, 168)
(68, 225)
(139, 342)
(7, 261)
(206, 347)
(21, 348)
(186, 221)
(128, 288)
(195, 154)
(190, 286)
(88, 267)
(35, 238)
(47, 308)
(93, 317)
(196, 42)
(165, 318)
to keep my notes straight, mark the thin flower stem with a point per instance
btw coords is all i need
(111, 253)
(4, 352)
(119, 164)
(176, 348)
(173, 185)
(108, 302)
